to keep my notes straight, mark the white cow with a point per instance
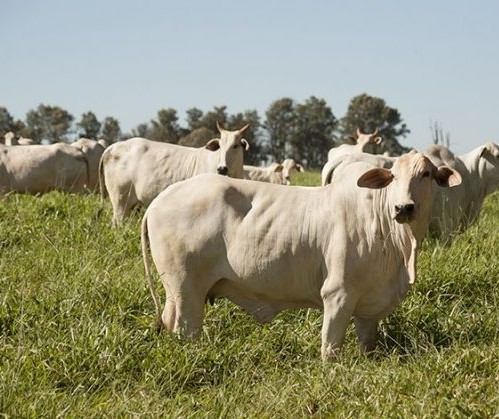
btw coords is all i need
(362, 144)
(349, 248)
(457, 208)
(135, 171)
(25, 141)
(10, 138)
(37, 169)
(279, 173)
(93, 150)
(376, 160)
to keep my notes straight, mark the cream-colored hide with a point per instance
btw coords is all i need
(455, 209)
(279, 173)
(348, 248)
(135, 171)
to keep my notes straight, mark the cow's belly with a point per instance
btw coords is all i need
(265, 287)
(384, 298)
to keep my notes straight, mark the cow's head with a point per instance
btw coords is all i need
(365, 140)
(488, 166)
(289, 166)
(410, 193)
(230, 147)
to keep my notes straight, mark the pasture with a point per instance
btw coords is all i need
(77, 334)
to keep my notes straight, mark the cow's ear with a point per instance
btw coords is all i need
(375, 179)
(489, 149)
(299, 167)
(377, 140)
(447, 177)
(245, 144)
(212, 145)
(278, 168)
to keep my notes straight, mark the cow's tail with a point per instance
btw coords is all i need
(144, 239)
(102, 185)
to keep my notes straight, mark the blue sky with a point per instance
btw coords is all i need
(432, 60)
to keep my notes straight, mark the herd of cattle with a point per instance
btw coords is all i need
(348, 247)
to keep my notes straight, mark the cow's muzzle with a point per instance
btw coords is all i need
(223, 170)
(404, 213)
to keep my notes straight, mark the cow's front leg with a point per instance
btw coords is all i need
(366, 332)
(338, 310)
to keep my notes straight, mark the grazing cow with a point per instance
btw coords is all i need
(25, 141)
(37, 169)
(362, 144)
(279, 173)
(457, 208)
(348, 248)
(135, 171)
(375, 160)
(93, 151)
(10, 138)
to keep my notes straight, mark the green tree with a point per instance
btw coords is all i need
(368, 113)
(279, 124)
(89, 125)
(197, 138)
(48, 123)
(209, 120)
(111, 131)
(312, 134)
(141, 130)
(6, 121)
(194, 117)
(166, 127)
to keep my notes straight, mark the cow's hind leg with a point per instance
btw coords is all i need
(168, 317)
(189, 312)
(123, 201)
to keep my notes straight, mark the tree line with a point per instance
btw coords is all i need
(304, 131)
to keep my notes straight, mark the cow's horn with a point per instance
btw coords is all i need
(219, 127)
(244, 128)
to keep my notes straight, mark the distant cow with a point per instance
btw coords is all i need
(362, 145)
(375, 160)
(135, 171)
(37, 169)
(10, 139)
(92, 150)
(458, 207)
(349, 248)
(279, 173)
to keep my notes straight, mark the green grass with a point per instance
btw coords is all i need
(77, 333)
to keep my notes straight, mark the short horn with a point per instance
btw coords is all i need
(375, 132)
(358, 132)
(219, 127)
(244, 128)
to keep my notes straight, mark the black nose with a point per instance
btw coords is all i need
(222, 170)
(405, 209)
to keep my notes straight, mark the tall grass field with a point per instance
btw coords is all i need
(77, 335)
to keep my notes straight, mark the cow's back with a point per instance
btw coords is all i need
(148, 167)
(38, 169)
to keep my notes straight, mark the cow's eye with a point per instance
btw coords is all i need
(426, 174)
(236, 145)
